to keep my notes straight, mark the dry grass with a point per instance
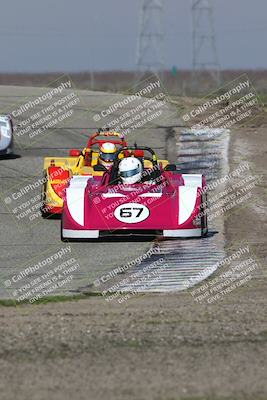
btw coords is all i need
(122, 81)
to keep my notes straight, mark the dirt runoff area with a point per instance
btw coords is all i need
(162, 347)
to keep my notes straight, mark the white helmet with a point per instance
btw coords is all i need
(130, 170)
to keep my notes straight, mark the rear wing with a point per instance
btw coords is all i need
(64, 162)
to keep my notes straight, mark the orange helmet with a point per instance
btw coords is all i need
(107, 154)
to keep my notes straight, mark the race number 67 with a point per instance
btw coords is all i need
(130, 212)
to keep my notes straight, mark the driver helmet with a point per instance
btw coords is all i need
(130, 170)
(107, 154)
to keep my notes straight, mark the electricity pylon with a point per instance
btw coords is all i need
(150, 38)
(205, 55)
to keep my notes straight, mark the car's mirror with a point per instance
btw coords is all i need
(170, 167)
(99, 168)
(74, 153)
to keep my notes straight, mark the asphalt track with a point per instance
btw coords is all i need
(26, 243)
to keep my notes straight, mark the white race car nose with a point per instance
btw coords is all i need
(5, 138)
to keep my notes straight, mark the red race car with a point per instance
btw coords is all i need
(137, 195)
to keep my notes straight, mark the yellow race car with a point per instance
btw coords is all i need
(59, 170)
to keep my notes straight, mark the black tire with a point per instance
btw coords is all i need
(204, 216)
(44, 213)
(43, 210)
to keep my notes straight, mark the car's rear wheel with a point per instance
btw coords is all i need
(45, 214)
(43, 209)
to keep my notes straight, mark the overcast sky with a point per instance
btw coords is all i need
(75, 35)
